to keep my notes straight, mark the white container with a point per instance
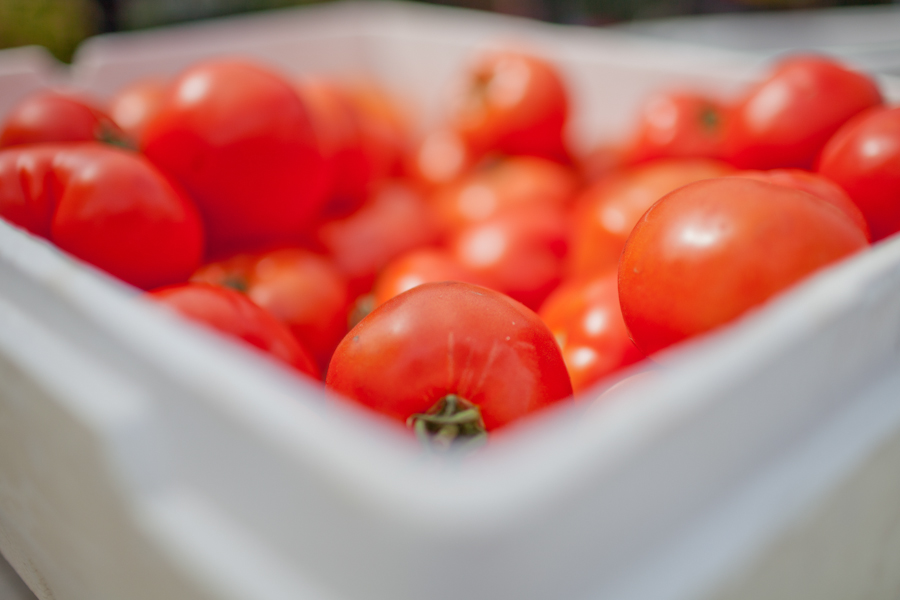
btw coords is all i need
(141, 458)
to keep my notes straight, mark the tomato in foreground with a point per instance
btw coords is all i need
(585, 318)
(453, 343)
(240, 140)
(54, 117)
(709, 251)
(863, 157)
(106, 206)
(232, 313)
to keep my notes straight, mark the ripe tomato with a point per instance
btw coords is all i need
(107, 206)
(504, 184)
(786, 119)
(602, 161)
(585, 318)
(54, 117)
(711, 250)
(606, 213)
(680, 125)
(395, 220)
(135, 105)
(440, 159)
(450, 338)
(301, 289)
(233, 314)
(863, 157)
(383, 128)
(519, 253)
(240, 140)
(515, 103)
(816, 185)
(424, 265)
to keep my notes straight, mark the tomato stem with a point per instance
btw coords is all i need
(451, 422)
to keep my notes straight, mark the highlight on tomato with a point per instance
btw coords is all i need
(136, 104)
(451, 359)
(56, 117)
(232, 313)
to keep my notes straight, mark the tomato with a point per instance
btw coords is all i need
(515, 103)
(607, 211)
(680, 125)
(301, 289)
(230, 312)
(440, 158)
(602, 161)
(447, 339)
(816, 185)
(55, 117)
(785, 120)
(106, 206)
(711, 250)
(503, 184)
(424, 265)
(863, 157)
(585, 318)
(520, 253)
(383, 128)
(395, 220)
(240, 140)
(136, 104)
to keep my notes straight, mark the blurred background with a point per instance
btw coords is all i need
(61, 25)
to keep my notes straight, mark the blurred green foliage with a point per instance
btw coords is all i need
(59, 25)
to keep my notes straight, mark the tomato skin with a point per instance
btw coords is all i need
(585, 318)
(711, 250)
(136, 104)
(515, 104)
(107, 206)
(606, 212)
(504, 184)
(818, 186)
(450, 338)
(53, 117)
(519, 253)
(240, 140)
(301, 289)
(233, 314)
(786, 119)
(863, 157)
(423, 265)
(680, 125)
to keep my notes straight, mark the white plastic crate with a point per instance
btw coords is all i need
(142, 458)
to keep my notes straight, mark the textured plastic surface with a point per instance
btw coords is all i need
(141, 458)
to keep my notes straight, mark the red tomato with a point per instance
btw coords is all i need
(54, 117)
(816, 185)
(441, 158)
(519, 253)
(516, 104)
(301, 289)
(394, 221)
(135, 105)
(450, 338)
(424, 265)
(606, 213)
(863, 157)
(240, 140)
(785, 120)
(680, 125)
(233, 314)
(585, 318)
(383, 127)
(505, 184)
(709, 251)
(107, 206)
(601, 162)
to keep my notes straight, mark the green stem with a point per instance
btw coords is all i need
(451, 422)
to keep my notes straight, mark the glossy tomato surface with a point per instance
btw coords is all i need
(232, 313)
(54, 117)
(240, 140)
(585, 318)
(863, 157)
(451, 338)
(606, 212)
(515, 103)
(709, 251)
(109, 207)
(786, 119)
(680, 125)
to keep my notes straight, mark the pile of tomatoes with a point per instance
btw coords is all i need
(462, 280)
